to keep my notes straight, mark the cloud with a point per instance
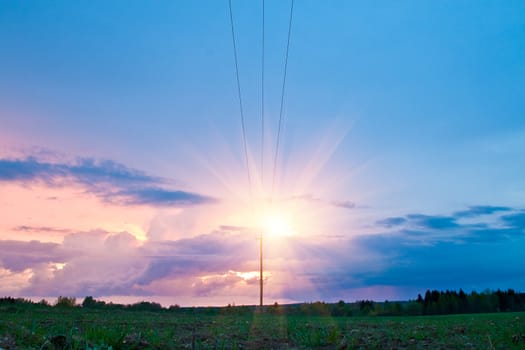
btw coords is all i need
(432, 228)
(482, 234)
(212, 253)
(86, 263)
(84, 170)
(344, 204)
(110, 181)
(18, 256)
(412, 252)
(447, 223)
(102, 263)
(216, 284)
(444, 254)
(25, 228)
(159, 197)
(432, 222)
(229, 228)
(516, 220)
(11, 170)
(479, 210)
(391, 222)
(448, 265)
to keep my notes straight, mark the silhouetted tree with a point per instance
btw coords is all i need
(66, 301)
(90, 302)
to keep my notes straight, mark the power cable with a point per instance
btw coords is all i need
(262, 99)
(282, 98)
(243, 127)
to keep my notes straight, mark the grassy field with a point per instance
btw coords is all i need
(76, 328)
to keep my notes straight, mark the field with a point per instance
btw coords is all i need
(75, 328)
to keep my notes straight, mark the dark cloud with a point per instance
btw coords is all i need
(26, 169)
(479, 210)
(109, 180)
(89, 171)
(444, 254)
(432, 222)
(391, 222)
(85, 170)
(421, 222)
(491, 234)
(445, 265)
(159, 197)
(516, 220)
(429, 229)
(448, 223)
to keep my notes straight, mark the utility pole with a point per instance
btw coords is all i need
(261, 273)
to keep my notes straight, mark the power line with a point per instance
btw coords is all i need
(262, 98)
(262, 116)
(240, 100)
(282, 97)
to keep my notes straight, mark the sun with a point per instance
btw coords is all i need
(277, 225)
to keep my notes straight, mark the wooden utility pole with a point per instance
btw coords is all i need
(261, 273)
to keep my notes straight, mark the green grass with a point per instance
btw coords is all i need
(74, 328)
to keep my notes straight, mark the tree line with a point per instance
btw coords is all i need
(452, 302)
(433, 303)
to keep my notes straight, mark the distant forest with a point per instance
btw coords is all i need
(433, 303)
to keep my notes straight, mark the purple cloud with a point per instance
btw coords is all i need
(415, 254)
(18, 256)
(211, 253)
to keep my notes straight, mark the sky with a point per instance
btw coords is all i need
(123, 174)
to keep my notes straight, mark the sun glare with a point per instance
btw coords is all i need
(276, 224)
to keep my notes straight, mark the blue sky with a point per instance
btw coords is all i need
(398, 117)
